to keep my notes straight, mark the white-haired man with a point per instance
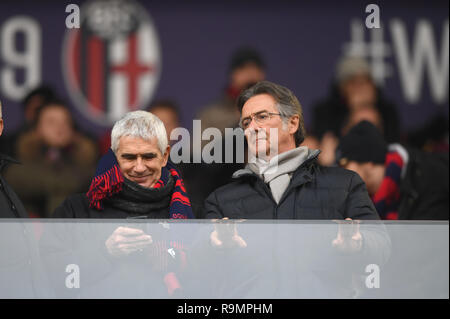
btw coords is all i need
(134, 179)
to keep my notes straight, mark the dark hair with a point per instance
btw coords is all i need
(287, 104)
(45, 92)
(165, 104)
(245, 55)
(52, 103)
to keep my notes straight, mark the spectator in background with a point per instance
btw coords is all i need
(432, 136)
(168, 112)
(354, 91)
(34, 100)
(247, 67)
(404, 183)
(364, 114)
(30, 104)
(57, 160)
(135, 178)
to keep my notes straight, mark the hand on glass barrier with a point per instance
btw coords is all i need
(349, 238)
(225, 234)
(125, 240)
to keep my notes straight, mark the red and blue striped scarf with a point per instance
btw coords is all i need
(109, 180)
(387, 198)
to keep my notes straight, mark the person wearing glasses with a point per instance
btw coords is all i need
(283, 179)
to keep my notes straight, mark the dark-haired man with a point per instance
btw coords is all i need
(283, 180)
(287, 183)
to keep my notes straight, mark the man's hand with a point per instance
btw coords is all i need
(225, 235)
(124, 241)
(349, 238)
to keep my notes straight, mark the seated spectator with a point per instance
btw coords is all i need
(57, 160)
(246, 68)
(353, 90)
(30, 104)
(286, 183)
(168, 112)
(364, 114)
(432, 136)
(330, 141)
(134, 179)
(404, 183)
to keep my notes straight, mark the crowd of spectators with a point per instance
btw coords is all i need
(58, 159)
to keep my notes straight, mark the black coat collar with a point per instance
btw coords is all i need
(6, 160)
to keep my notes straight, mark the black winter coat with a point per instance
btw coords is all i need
(10, 204)
(21, 273)
(77, 206)
(424, 191)
(133, 276)
(314, 192)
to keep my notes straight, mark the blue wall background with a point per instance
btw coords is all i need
(300, 42)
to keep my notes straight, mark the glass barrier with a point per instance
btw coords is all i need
(136, 258)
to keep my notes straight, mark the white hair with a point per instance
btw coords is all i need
(0, 109)
(140, 124)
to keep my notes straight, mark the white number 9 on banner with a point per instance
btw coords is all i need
(28, 59)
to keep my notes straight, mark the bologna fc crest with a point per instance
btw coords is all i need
(112, 62)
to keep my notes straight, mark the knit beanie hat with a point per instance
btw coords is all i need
(363, 143)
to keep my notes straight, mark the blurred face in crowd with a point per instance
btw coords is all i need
(168, 117)
(55, 126)
(141, 160)
(247, 74)
(258, 134)
(359, 91)
(369, 114)
(372, 174)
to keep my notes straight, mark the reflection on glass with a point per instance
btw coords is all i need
(223, 259)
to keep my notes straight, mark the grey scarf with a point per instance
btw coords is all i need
(278, 171)
(135, 199)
